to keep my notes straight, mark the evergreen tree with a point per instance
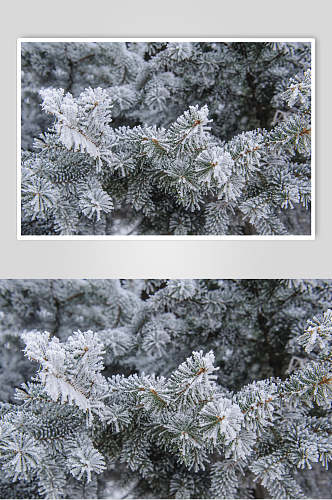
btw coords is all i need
(166, 138)
(184, 389)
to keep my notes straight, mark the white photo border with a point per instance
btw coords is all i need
(312, 235)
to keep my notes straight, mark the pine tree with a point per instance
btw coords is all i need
(185, 388)
(167, 138)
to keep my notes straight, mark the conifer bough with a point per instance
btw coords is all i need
(184, 434)
(203, 138)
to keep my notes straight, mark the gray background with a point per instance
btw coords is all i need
(157, 259)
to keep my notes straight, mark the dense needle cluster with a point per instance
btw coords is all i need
(188, 138)
(166, 388)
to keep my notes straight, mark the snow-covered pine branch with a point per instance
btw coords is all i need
(172, 141)
(186, 421)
